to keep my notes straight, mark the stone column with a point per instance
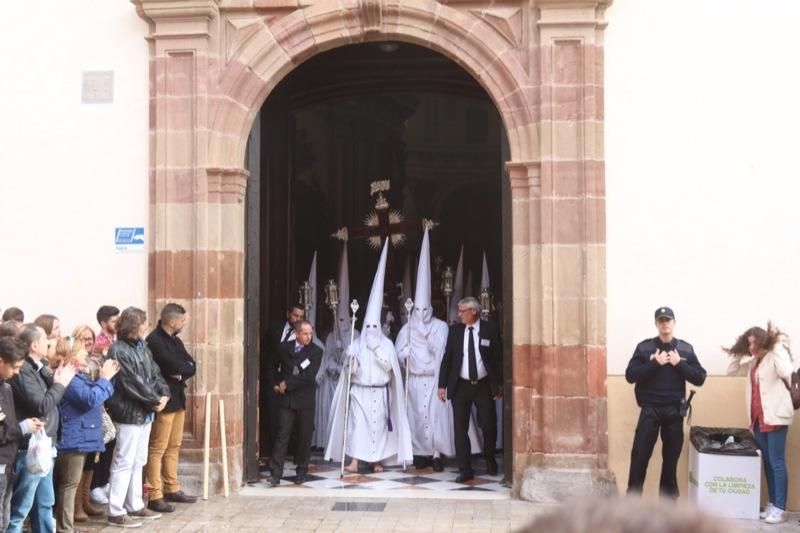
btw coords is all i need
(197, 216)
(559, 360)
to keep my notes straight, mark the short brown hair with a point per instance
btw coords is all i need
(46, 322)
(129, 321)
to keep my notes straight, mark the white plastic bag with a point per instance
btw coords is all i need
(39, 460)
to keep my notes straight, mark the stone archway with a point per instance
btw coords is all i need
(214, 62)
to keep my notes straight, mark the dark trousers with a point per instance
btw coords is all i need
(652, 420)
(287, 420)
(102, 468)
(463, 397)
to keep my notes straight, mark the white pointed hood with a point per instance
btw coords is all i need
(422, 296)
(458, 289)
(312, 281)
(343, 310)
(372, 317)
(407, 286)
(485, 274)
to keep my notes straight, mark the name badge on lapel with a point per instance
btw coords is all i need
(305, 364)
(485, 342)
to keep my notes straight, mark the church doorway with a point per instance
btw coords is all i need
(350, 128)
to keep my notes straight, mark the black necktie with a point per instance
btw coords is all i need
(473, 363)
(288, 333)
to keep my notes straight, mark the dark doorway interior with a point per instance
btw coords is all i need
(342, 120)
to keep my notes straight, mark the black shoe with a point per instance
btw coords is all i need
(491, 467)
(160, 506)
(437, 464)
(300, 479)
(421, 462)
(274, 482)
(179, 497)
(463, 477)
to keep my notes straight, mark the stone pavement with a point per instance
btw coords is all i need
(272, 514)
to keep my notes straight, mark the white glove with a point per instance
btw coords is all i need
(339, 344)
(351, 351)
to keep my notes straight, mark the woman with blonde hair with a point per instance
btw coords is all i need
(81, 429)
(94, 461)
(764, 356)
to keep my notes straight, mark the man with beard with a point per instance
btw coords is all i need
(377, 427)
(176, 366)
(429, 420)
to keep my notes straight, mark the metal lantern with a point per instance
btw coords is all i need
(447, 281)
(486, 302)
(305, 296)
(331, 294)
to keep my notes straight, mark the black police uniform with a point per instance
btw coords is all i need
(659, 392)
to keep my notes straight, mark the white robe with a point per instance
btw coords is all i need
(376, 396)
(429, 418)
(327, 379)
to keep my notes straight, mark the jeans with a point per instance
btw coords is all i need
(773, 453)
(6, 489)
(32, 494)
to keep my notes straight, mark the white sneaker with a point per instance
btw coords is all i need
(767, 511)
(778, 516)
(99, 495)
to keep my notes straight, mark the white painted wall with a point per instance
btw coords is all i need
(71, 172)
(703, 184)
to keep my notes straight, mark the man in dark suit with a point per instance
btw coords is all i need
(471, 373)
(296, 386)
(277, 333)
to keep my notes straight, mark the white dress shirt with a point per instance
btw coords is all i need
(287, 327)
(476, 328)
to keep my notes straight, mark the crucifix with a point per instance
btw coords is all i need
(380, 224)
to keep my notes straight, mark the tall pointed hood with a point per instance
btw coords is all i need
(458, 289)
(485, 274)
(372, 317)
(343, 311)
(422, 296)
(407, 289)
(312, 281)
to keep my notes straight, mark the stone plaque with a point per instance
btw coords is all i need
(98, 87)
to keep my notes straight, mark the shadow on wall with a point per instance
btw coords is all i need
(719, 402)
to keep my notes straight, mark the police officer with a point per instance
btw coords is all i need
(660, 368)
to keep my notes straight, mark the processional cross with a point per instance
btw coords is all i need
(380, 224)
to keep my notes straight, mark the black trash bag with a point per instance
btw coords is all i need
(718, 441)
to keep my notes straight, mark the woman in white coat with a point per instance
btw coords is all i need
(764, 357)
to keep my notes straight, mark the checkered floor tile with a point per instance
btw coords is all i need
(324, 475)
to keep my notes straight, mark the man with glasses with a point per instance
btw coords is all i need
(660, 368)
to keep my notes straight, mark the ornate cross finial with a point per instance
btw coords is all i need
(428, 224)
(341, 234)
(379, 187)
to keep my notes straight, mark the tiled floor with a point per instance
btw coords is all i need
(324, 480)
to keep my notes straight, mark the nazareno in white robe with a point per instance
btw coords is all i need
(327, 379)
(376, 397)
(430, 419)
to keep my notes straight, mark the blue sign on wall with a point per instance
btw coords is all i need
(129, 238)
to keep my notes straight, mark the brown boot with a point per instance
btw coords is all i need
(85, 490)
(80, 514)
